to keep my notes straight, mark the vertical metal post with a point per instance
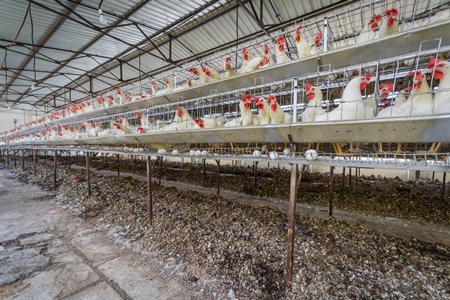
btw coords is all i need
(295, 100)
(55, 162)
(88, 173)
(218, 176)
(34, 162)
(291, 225)
(343, 184)
(255, 173)
(149, 191)
(1, 155)
(325, 34)
(160, 170)
(432, 177)
(204, 170)
(331, 191)
(7, 156)
(356, 176)
(350, 176)
(15, 159)
(443, 183)
(23, 160)
(45, 156)
(118, 165)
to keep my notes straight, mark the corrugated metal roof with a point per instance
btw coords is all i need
(182, 33)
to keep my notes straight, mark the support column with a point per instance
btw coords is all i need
(443, 183)
(34, 162)
(7, 156)
(218, 176)
(160, 170)
(255, 173)
(15, 159)
(118, 165)
(350, 176)
(291, 225)
(343, 184)
(331, 192)
(55, 162)
(149, 191)
(88, 173)
(23, 160)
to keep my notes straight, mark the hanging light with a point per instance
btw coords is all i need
(102, 17)
(33, 85)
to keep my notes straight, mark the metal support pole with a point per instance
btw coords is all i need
(45, 156)
(23, 160)
(1, 155)
(149, 191)
(69, 159)
(350, 176)
(218, 176)
(118, 165)
(34, 162)
(343, 184)
(432, 177)
(55, 162)
(88, 173)
(204, 170)
(15, 159)
(443, 183)
(331, 192)
(356, 176)
(160, 170)
(291, 224)
(7, 156)
(255, 173)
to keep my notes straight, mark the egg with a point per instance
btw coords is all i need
(311, 155)
(205, 152)
(175, 152)
(257, 154)
(162, 151)
(273, 155)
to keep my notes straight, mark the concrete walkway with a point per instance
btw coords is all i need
(45, 253)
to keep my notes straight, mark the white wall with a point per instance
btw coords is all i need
(7, 117)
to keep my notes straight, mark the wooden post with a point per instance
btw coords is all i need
(149, 191)
(34, 162)
(291, 224)
(88, 173)
(331, 192)
(218, 176)
(55, 162)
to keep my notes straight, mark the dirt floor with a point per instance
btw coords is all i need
(233, 246)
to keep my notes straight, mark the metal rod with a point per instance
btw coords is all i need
(149, 191)
(55, 162)
(7, 156)
(69, 161)
(34, 162)
(443, 183)
(291, 224)
(343, 184)
(255, 174)
(88, 173)
(331, 192)
(118, 165)
(23, 160)
(160, 170)
(432, 177)
(218, 176)
(204, 170)
(15, 162)
(356, 176)
(350, 176)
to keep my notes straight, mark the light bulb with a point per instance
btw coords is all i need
(102, 17)
(33, 85)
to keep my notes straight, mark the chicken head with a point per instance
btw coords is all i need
(437, 66)
(385, 89)
(392, 15)
(375, 21)
(365, 79)
(310, 91)
(247, 100)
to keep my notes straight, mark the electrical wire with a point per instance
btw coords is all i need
(32, 42)
(17, 35)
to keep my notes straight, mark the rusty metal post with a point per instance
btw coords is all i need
(118, 165)
(160, 170)
(255, 173)
(291, 224)
(443, 183)
(23, 160)
(55, 162)
(149, 191)
(34, 162)
(204, 170)
(218, 176)
(88, 173)
(343, 184)
(331, 192)
(350, 176)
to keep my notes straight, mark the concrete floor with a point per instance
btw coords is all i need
(46, 253)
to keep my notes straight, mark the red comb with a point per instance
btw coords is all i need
(432, 62)
(308, 86)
